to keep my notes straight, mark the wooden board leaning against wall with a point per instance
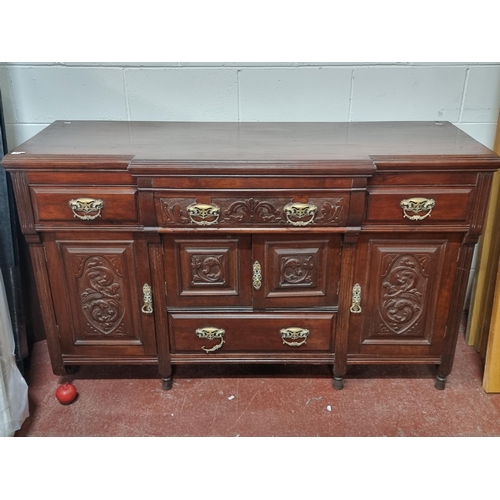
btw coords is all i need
(483, 326)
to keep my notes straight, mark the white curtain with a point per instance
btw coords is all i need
(13, 387)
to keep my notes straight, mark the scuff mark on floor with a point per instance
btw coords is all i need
(313, 399)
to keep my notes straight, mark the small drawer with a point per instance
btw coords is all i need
(419, 205)
(218, 333)
(252, 209)
(85, 205)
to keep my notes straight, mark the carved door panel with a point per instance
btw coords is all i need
(402, 303)
(97, 286)
(203, 271)
(295, 271)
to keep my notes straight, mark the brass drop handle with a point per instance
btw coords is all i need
(256, 275)
(210, 333)
(86, 208)
(147, 308)
(417, 206)
(294, 333)
(203, 214)
(300, 214)
(356, 299)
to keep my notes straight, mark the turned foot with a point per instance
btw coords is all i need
(338, 383)
(440, 383)
(167, 383)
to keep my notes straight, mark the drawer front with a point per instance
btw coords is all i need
(252, 209)
(415, 206)
(218, 333)
(84, 205)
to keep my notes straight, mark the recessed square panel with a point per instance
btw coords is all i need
(297, 271)
(206, 272)
(204, 269)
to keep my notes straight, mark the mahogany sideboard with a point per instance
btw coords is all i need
(328, 243)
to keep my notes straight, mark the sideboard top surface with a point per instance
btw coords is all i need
(249, 141)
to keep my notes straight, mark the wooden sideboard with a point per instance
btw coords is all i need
(328, 243)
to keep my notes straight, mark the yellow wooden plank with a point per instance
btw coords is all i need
(480, 308)
(491, 378)
(496, 148)
(484, 281)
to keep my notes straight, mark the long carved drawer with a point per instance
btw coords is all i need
(252, 209)
(419, 205)
(84, 205)
(241, 332)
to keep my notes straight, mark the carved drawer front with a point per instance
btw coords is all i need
(252, 209)
(213, 334)
(414, 206)
(84, 206)
(210, 271)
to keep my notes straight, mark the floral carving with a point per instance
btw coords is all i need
(252, 210)
(101, 288)
(297, 270)
(174, 211)
(207, 268)
(404, 286)
(331, 212)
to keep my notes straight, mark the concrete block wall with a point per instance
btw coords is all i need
(35, 94)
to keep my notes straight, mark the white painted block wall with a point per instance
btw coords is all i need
(35, 94)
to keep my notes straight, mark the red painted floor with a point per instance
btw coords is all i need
(263, 401)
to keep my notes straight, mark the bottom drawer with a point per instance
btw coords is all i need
(213, 333)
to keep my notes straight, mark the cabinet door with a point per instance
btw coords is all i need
(97, 287)
(208, 271)
(295, 271)
(405, 285)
